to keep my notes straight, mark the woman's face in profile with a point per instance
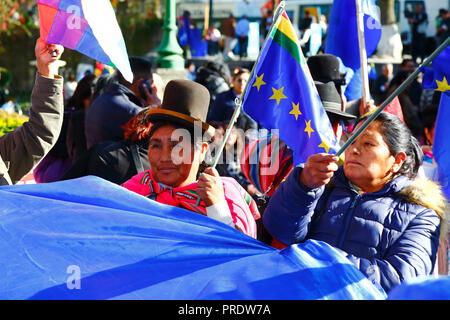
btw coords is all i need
(172, 158)
(368, 161)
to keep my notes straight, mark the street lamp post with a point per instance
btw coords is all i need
(170, 52)
(210, 13)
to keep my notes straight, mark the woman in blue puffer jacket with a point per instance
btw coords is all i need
(372, 208)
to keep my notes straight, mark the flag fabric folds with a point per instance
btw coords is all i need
(437, 77)
(89, 27)
(441, 144)
(90, 239)
(394, 107)
(281, 95)
(191, 36)
(422, 288)
(198, 45)
(266, 162)
(342, 38)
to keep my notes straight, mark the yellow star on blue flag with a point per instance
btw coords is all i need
(278, 95)
(442, 85)
(281, 90)
(438, 75)
(308, 128)
(259, 82)
(295, 110)
(441, 144)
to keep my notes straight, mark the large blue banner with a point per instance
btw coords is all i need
(90, 239)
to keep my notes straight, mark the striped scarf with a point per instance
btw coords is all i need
(266, 162)
(184, 197)
(243, 208)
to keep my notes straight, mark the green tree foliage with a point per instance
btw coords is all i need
(17, 17)
(140, 22)
(10, 121)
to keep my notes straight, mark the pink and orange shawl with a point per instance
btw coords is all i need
(242, 206)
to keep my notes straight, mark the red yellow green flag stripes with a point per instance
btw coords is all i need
(281, 95)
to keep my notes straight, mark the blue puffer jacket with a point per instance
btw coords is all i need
(390, 235)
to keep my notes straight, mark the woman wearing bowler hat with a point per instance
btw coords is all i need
(176, 153)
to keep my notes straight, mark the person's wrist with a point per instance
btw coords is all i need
(304, 179)
(214, 200)
(210, 202)
(46, 70)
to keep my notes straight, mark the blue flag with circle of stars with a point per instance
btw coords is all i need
(281, 95)
(441, 144)
(438, 75)
(436, 78)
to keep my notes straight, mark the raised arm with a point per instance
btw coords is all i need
(22, 149)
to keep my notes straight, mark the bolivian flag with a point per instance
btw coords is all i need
(281, 95)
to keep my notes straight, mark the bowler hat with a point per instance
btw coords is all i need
(324, 68)
(184, 102)
(331, 99)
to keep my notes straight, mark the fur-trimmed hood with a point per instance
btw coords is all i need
(421, 191)
(428, 193)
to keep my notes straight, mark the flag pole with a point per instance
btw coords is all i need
(397, 91)
(362, 52)
(238, 101)
(206, 20)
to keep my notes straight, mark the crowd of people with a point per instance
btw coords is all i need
(381, 207)
(230, 37)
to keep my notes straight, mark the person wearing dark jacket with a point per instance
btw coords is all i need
(410, 110)
(223, 108)
(77, 107)
(419, 22)
(116, 161)
(372, 208)
(216, 77)
(119, 103)
(71, 141)
(110, 160)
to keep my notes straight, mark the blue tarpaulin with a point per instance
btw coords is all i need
(90, 239)
(422, 288)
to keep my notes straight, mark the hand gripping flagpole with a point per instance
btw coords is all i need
(238, 101)
(397, 91)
